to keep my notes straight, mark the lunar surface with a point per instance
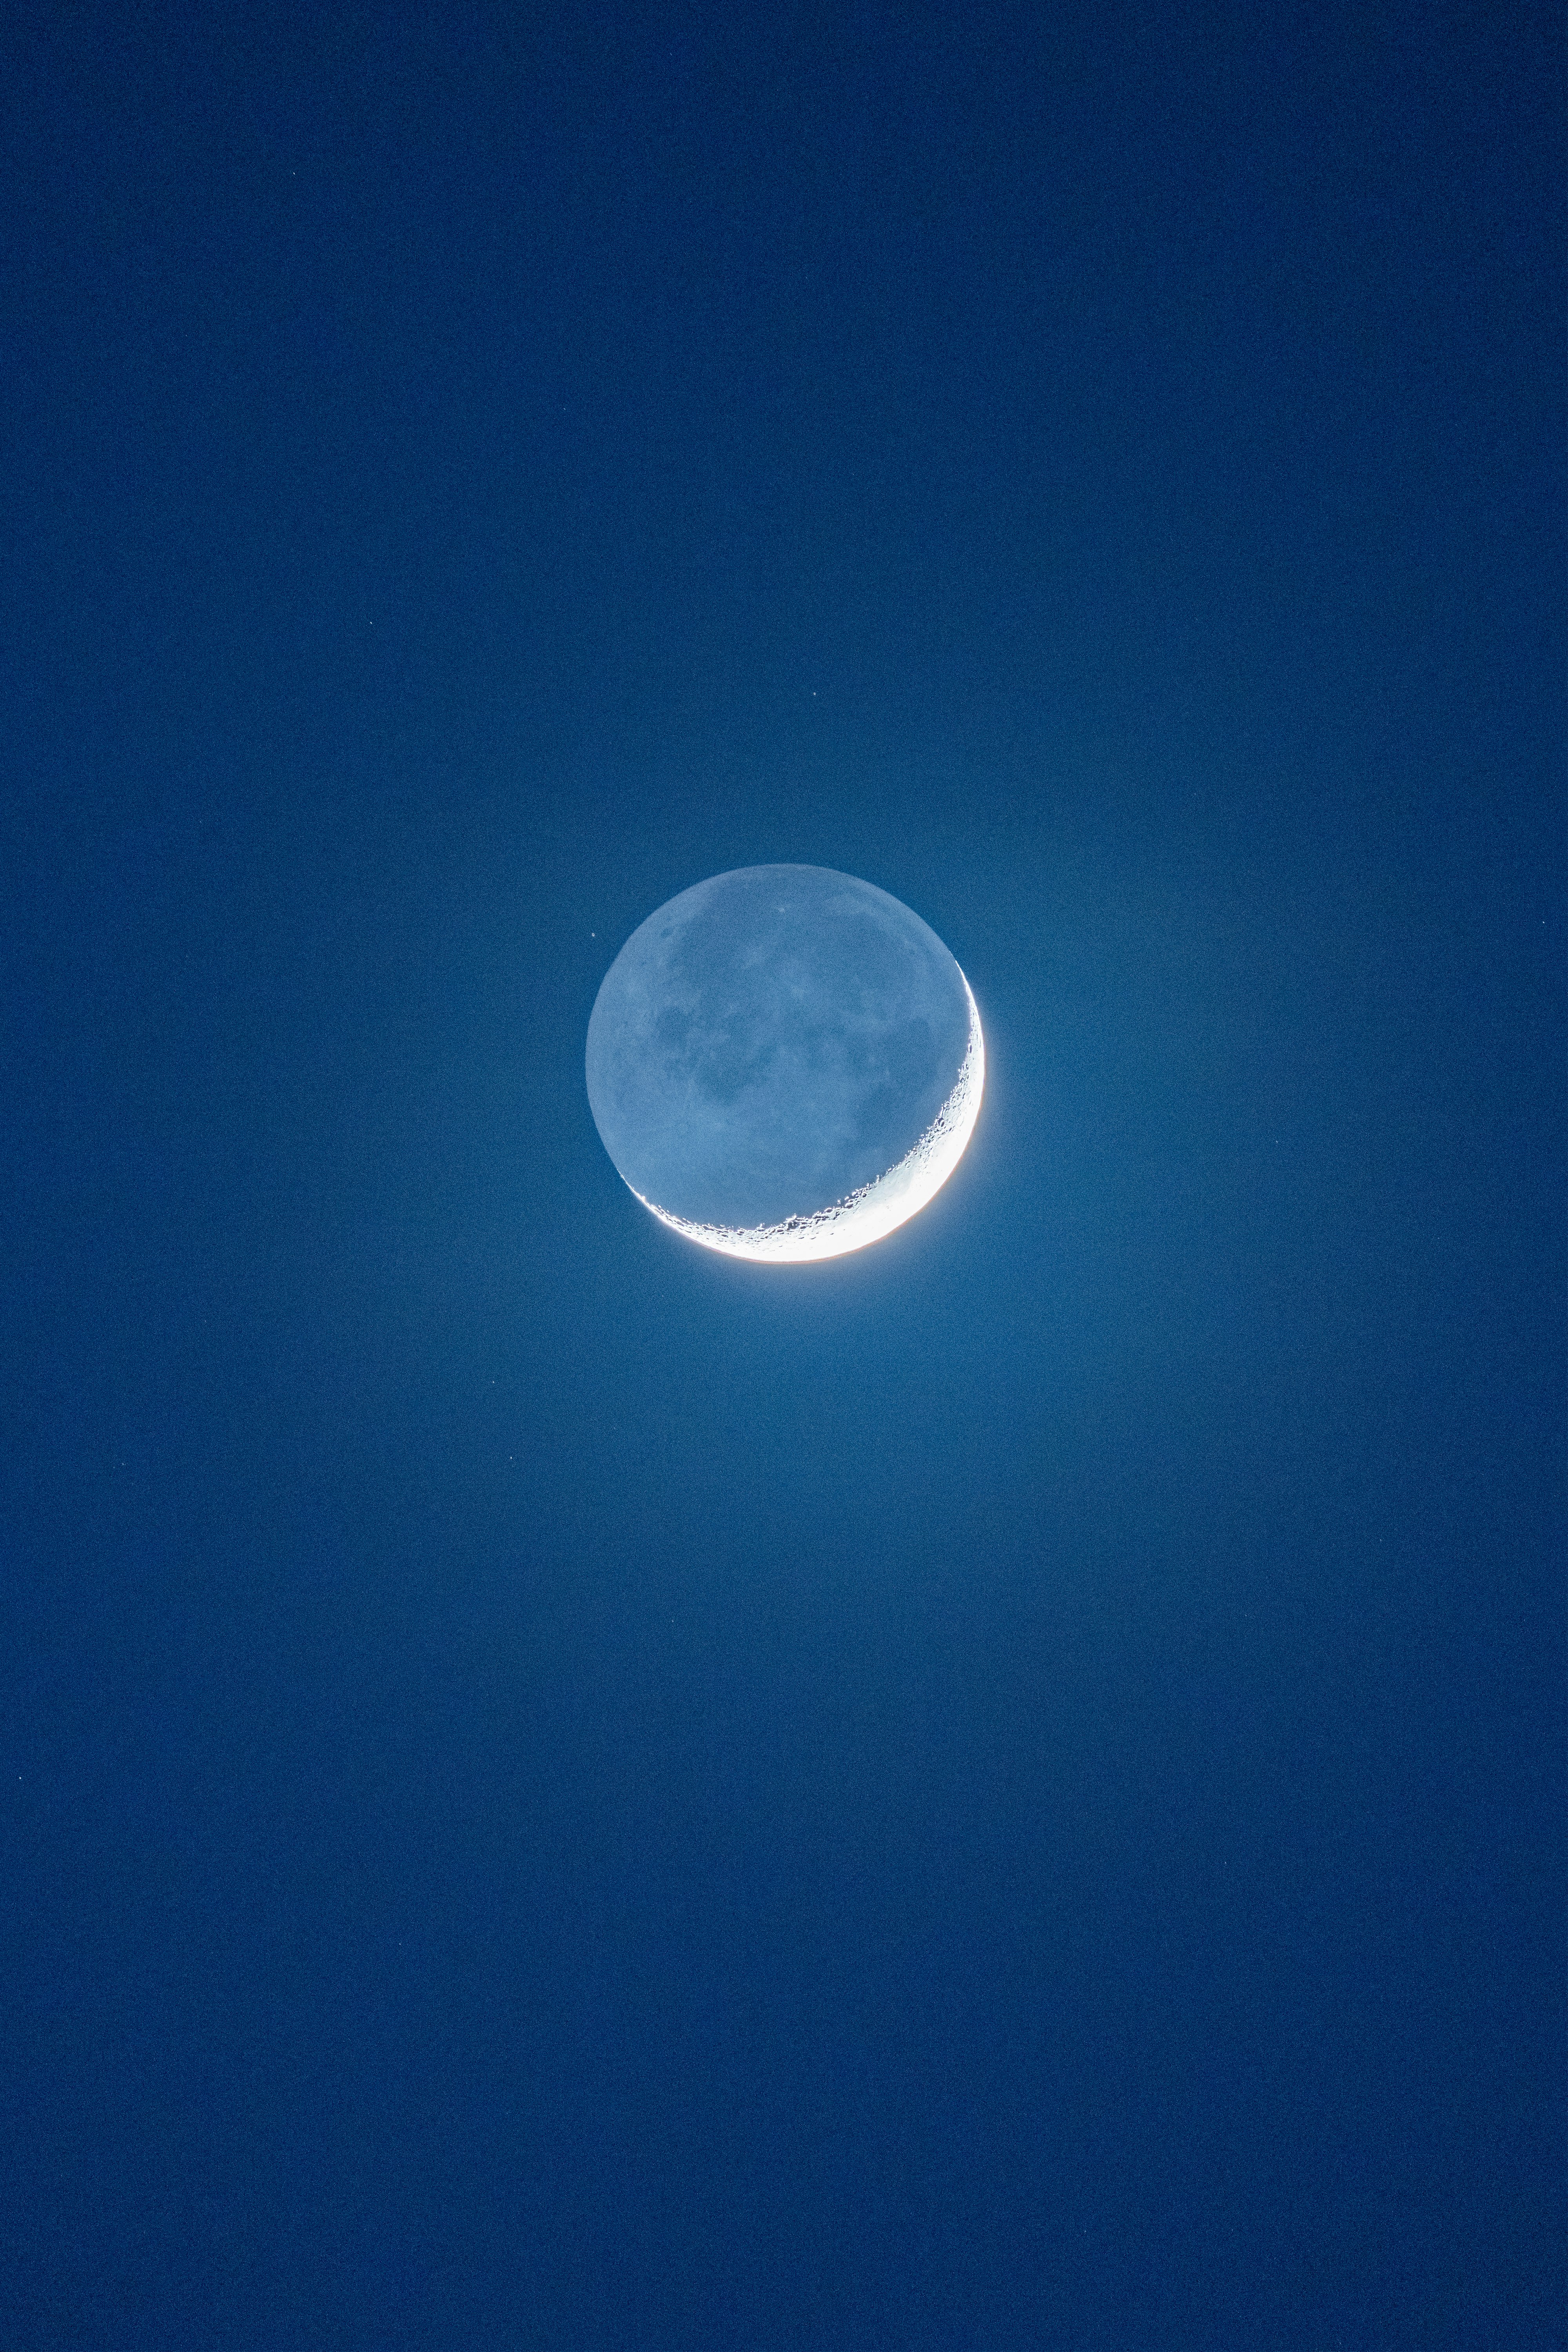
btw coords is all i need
(784, 1063)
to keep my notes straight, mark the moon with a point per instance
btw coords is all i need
(784, 1063)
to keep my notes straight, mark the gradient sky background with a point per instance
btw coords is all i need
(561, 1791)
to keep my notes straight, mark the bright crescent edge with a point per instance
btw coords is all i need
(875, 1209)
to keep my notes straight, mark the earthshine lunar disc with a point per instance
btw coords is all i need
(784, 1063)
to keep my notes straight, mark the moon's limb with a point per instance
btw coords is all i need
(874, 1209)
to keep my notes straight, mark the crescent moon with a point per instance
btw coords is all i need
(875, 1209)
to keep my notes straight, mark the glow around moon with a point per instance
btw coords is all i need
(784, 1063)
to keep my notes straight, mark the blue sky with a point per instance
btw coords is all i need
(1004, 1792)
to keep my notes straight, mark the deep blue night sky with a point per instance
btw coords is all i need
(559, 1791)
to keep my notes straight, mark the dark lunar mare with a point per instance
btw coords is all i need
(769, 1041)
